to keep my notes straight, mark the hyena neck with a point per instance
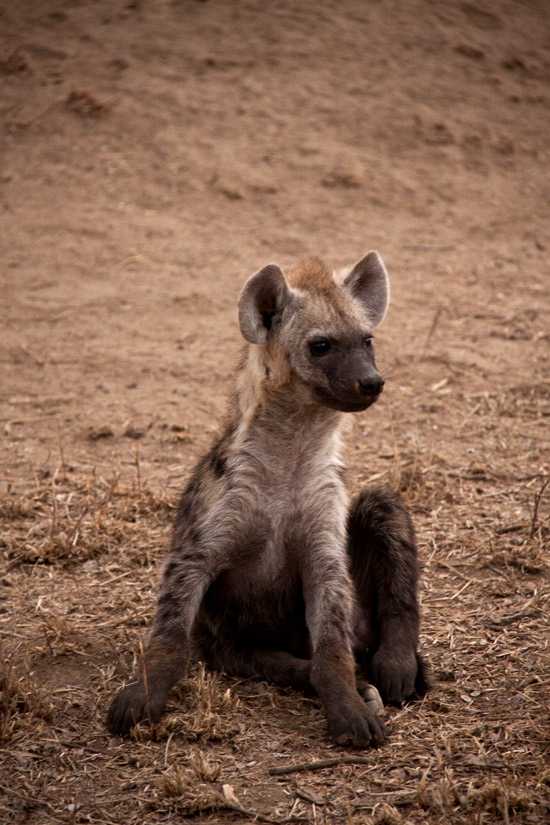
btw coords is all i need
(271, 407)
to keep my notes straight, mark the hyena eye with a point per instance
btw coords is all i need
(367, 341)
(320, 346)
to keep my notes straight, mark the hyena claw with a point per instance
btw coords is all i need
(398, 675)
(357, 725)
(132, 705)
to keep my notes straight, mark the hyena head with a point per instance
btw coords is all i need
(319, 330)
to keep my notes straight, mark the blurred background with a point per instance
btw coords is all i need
(155, 154)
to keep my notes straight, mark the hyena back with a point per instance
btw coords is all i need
(271, 572)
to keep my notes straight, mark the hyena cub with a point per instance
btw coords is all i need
(271, 573)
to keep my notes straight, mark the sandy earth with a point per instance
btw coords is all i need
(154, 154)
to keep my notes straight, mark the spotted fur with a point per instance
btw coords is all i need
(270, 573)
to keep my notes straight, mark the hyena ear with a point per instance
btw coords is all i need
(263, 298)
(369, 282)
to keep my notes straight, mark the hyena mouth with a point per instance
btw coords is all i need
(344, 403)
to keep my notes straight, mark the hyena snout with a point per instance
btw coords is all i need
(370, 386)
(350, 385)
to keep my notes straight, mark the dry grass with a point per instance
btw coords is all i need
(212, 713)
(21, 701)
(68, 519)
(82, 551)
(80, 556)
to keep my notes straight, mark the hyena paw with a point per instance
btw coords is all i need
(131, 705)
(395, 673)
(357, 724)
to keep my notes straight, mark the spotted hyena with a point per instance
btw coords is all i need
(272, 572)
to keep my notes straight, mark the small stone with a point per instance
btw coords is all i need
(97, 433)
(470, 51)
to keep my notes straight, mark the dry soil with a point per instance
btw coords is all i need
(154, 154)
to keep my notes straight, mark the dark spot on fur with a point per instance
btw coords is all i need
(181, 579)
(166, 615)
(166, 598)
(170, 569)
(340, 472)
(167, 607)
(187, 503)
(194, 535)
(218, 464)
(251, 543)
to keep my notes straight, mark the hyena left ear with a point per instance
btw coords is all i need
(263, 298)
(369, 282)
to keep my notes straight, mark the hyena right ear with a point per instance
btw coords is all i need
(369, 282)
(263, 298)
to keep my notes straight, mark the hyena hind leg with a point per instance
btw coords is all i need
(385, 570)
(276, 666)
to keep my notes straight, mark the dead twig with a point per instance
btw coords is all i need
(538, 498)
(308, 796)
(513, 617)
(261, 817)
(397, 798)
(320, 764)
(431, 331)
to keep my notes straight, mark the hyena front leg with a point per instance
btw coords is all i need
(384, 567)
(329, 614)
(166, 656)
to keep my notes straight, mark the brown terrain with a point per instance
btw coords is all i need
(153, 155)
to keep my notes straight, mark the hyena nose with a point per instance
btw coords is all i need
(370, 386)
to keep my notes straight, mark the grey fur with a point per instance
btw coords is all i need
(259, 576)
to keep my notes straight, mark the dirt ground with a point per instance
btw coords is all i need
(154, 154)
